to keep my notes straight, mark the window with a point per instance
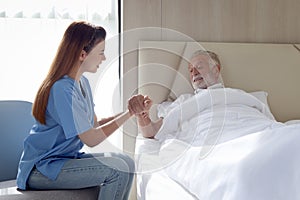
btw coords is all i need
(30, 33)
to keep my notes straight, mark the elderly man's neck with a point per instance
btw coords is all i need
(214, 86)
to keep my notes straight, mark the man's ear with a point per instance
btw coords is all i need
(82, 56)
(216, 70)
(218, 67)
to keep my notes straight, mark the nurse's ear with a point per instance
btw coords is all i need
(82, 56)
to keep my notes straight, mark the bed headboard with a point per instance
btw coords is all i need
(274, 68)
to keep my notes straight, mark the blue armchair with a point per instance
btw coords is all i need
(15, 123)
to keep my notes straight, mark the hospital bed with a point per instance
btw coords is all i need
(254, 164)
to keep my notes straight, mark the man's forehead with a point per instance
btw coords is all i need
(200, 58)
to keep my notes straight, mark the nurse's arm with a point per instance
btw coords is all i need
(103, 120)
(96, 135)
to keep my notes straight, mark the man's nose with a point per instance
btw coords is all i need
(195, 71)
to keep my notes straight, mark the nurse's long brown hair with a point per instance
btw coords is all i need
(78, 36)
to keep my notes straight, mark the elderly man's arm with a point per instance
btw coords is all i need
(147, 126)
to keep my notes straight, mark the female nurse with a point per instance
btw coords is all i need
(65, 120)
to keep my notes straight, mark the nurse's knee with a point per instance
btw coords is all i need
(130, 164)
(129, 161)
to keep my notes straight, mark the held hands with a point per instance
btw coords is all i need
(139, 105)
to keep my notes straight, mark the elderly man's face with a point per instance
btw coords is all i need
(203, 72)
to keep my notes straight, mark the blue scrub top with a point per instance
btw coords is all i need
(69, 113)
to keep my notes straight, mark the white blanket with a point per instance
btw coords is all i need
(222, 144)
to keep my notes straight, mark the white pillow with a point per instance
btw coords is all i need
(290, 122)
(263, 97)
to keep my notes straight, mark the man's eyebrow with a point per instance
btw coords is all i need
(198, 62)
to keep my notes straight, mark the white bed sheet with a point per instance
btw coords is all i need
(262, 165)
(152, 181)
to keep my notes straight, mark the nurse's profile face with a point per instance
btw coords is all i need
(94, 58)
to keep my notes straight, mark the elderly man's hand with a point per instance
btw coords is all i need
(147, 103)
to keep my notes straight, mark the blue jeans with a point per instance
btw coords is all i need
(113, 172)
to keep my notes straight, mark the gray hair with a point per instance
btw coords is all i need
(214, 57)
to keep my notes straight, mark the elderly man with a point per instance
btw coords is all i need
(204, 68)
